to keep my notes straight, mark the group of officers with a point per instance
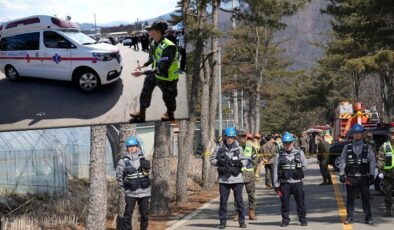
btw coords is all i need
(237, 162)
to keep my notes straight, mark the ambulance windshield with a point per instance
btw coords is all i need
(80, 38)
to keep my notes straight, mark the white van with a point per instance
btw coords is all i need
(51, 48)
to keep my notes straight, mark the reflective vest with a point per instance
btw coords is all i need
(134, 178)
(173, 71)
(388, 156)
(357, 164)
(290, 169)
(248, 152)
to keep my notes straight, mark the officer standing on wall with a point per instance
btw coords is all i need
(386, 170)
(165, 74)
(289, 168)
(229, 160)
(132, 174)
(357, 168)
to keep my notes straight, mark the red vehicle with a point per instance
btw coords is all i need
(347, 114)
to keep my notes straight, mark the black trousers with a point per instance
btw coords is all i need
(355, 184)
(268, 174)
(168, 88)
(183, 58)
(224, 190)
(323, 165)
(143, 204)
(297, 190)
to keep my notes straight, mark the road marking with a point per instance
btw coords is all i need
(177, 223)
(340, 202)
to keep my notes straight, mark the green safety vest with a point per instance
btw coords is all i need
(173, 71)
(388, 156)
(248, 153)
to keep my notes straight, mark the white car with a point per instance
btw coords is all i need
(51, 48)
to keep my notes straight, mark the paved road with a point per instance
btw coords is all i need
(37, 103)
(323, 207)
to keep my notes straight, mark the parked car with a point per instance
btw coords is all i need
(104, 40)
(51, 48)
(127, 41)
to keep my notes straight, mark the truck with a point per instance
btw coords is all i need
(347, 115)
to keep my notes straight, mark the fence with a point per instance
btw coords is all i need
(40, 171)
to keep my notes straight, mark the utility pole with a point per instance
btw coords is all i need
(235, 91)
(95, 25)
(242, 110)
(220, 91)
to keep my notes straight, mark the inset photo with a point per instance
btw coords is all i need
(57, 71)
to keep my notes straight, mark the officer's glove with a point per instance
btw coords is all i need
(145, 164)
(238, 163)
(371, 180)
(381, 176)
(342, 178)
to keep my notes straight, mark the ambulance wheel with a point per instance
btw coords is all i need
(87, 80)
(11, 73)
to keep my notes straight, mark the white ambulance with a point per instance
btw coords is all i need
(51, 48)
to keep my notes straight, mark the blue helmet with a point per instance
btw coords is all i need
(231, 132)
(287, 137)
(357, 128)
(131, 141)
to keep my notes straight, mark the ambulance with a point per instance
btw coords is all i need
(52, 48)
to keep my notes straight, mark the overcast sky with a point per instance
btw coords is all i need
(83, 10)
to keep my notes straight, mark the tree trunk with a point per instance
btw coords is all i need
(97, 204)
(215, 72)
(204, 118)
(160, 201)
(183, 146)
(183, 166)
(187, 143)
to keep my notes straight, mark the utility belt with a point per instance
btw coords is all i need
(290, 172)
(229, 171)
(136, 181)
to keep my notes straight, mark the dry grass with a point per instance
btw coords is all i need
(68, 211)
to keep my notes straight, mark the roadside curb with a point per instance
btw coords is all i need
(174, 224)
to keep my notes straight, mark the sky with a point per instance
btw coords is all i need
(82, 11)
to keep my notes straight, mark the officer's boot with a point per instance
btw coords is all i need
(222, 224)
(168, 116)
(252, 214)
(387, 212)
(139, 116)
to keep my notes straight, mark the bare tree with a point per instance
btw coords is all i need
(160, 202)
(97, 204)
(187, 134)
(185, 144)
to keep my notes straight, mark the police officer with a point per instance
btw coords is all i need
(229, 159)
(132, 174)
(165, 73)
(289, 168)
(323, 158)
(357, 167)
(386, 170)
(248, 174)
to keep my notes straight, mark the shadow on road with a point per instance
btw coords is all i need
(39, 100)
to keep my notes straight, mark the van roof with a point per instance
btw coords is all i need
(34, 23)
